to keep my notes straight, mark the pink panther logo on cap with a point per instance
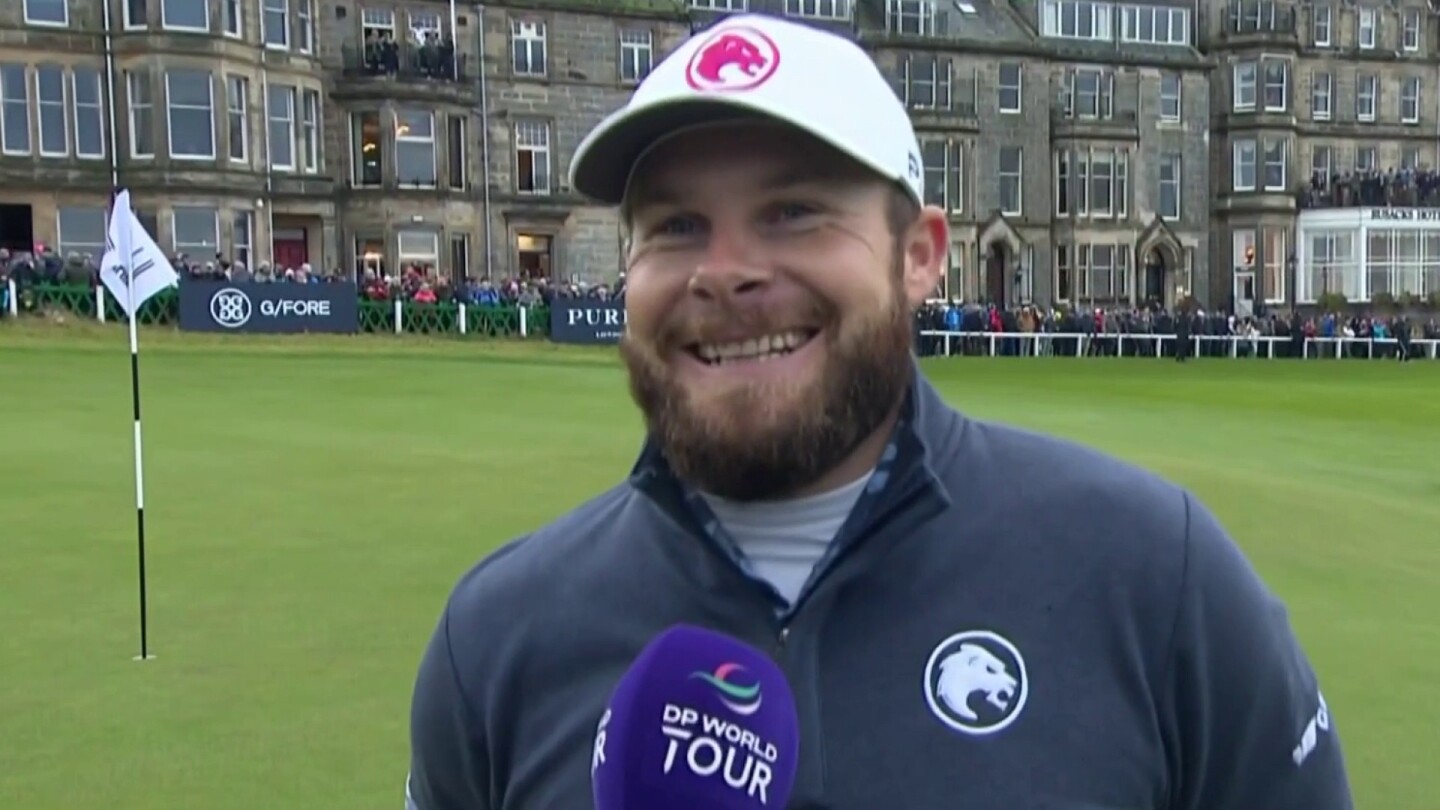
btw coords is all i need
(733, 60)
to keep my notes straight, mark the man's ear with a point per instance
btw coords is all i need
(926, 245)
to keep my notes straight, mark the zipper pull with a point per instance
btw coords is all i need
(784, 637)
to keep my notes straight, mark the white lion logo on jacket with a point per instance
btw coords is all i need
(973, 669)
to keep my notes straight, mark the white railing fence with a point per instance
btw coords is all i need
(1079, 344)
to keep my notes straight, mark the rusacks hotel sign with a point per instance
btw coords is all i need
(1403, 215)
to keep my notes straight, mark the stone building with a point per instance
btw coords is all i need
(168, 99)
(1311, 100)
(1064, 137)
(554, 69)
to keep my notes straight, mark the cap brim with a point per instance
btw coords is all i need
(603, 164)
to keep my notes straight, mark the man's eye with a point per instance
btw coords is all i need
(676, 226)
(791, 211)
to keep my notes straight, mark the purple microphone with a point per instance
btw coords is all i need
(701, 721)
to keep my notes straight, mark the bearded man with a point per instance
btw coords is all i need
(969, 614)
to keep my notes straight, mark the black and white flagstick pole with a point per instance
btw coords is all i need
(127, 250)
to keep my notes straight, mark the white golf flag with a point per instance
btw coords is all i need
(134, 267)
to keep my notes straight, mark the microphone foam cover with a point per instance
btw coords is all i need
(700, 721)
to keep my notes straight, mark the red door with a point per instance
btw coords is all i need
(291, 253)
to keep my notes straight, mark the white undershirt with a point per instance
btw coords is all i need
(785, 539)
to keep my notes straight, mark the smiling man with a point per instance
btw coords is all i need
(968, 613)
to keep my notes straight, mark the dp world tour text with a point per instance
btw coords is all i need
(715, 746)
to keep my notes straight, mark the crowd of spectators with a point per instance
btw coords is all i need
(1397, 188)
(422, 284)
(1122, 330)
(430, 55)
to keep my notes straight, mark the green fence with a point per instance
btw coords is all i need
(446, 318)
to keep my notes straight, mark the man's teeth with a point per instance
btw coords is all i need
(761, 348)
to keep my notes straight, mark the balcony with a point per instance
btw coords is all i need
(1260, 21)
(378, 72)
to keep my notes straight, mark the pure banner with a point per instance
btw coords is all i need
(587, 321)
(269, 308)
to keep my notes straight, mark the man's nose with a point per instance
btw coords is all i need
(729, 269)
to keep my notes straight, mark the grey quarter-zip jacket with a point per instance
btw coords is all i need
(1006, 621)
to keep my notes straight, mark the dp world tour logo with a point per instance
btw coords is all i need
(738, 698)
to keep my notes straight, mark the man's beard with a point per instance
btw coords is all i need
(746, 449)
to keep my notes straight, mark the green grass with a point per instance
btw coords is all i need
(311, 502)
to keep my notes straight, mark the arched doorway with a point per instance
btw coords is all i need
(997, 262)
(1156, 269)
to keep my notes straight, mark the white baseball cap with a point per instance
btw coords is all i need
(756, 66)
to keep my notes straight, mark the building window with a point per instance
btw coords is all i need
(944, 173)
(1076, 19)
(1170, 175)
(14, 110)
(142, 114)
(532, 157)
(1365, 160)
(51, 100)
(1104, 272)
(136, 14)
(415, 147)
(1012, 178)
(1273, 260)
(185, 15)
(280, 115)
(242, 247)
(1243, 178)
(1365, 32)
(237, 101)
(81, 230)
(1064, 183)
(1244, 99)
(1410, 100)
(1277, 96)
(275, 23)
(456, 153)
(637, 55)
(1321, 166)
(418, 249)
(196, 231)
(1331, 265)
(1410, 159)
(1096, 182)
(1064, 274)
(1011, 78)
(1088, 93)
(927, 82)
(910, 17)
(88, 111)
(1170, 98)
(47, 12)
(1321, 26)
(718, 5)
(1366, 91)
(310, 132)
(234, 16)
(819, 9)
(527, 42)
(1275, 152)
(305, 30)
(1410, 30)
(367, 154)
(1155, 25)
(190, 98)
(1321, 86)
